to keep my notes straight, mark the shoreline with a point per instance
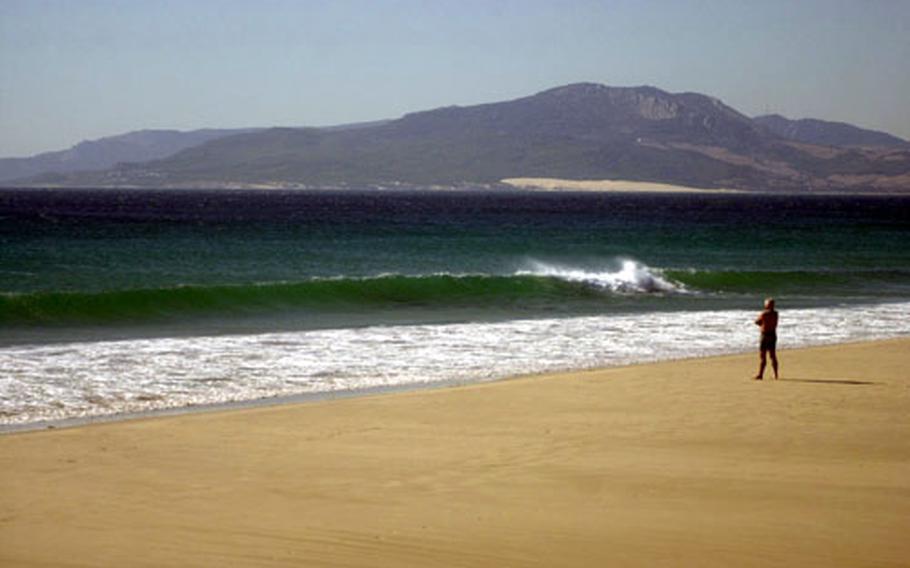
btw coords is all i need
(239, 405)
(503, 185)
(682, 462)
(611, 186)
(307, 398)
(531, 185)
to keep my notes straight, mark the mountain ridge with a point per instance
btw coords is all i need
(135, 146)
(106, 152)
(578, 131)
(828, 133)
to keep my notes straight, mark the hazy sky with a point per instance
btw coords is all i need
(82, 69)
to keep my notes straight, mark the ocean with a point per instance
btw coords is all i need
(118, 302)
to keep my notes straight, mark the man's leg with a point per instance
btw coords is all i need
(761, 367)
(773, 362)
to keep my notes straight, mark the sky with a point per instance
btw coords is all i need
(72, 70)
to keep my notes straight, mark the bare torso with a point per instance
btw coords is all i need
(767, 320)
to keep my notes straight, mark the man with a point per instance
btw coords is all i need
(767, 322)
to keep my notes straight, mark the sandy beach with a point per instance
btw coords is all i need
(606, 185)
(686, 463)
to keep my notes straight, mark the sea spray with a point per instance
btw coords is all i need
(631, 276)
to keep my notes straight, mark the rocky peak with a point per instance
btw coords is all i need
(646, 102)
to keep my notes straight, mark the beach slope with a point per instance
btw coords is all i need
(685, 463)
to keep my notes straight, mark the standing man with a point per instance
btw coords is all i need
(767, 322)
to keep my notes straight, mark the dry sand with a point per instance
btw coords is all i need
(605, 185)
(676, 464)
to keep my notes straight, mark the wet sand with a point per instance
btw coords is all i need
(685, 463)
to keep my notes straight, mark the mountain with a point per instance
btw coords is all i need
(825, 133)
(138, 146)
(579, 131)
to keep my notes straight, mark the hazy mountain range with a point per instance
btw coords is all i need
(104, 153)
(580, 131)
(826, 133)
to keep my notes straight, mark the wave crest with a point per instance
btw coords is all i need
(630, 277)
(545, 285)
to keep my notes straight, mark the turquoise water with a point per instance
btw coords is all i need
(90, 278)
(140, 258)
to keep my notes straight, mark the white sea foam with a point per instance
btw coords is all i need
(52, 382)
(629, 276)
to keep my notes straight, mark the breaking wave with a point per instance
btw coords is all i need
(540, 283)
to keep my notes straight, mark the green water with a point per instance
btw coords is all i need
(196, 261)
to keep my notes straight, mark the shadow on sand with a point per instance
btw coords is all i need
(830, 381)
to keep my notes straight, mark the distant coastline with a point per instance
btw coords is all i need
(508, 184)
(556, 184)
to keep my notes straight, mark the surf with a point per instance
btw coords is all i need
(630, 276)
(821, 281)
(533, 285)
(539, 284)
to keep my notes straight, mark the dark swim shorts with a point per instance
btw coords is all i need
(768, 341)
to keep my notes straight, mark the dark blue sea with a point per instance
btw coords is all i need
(118, 301)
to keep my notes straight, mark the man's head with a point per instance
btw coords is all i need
(769, 303)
